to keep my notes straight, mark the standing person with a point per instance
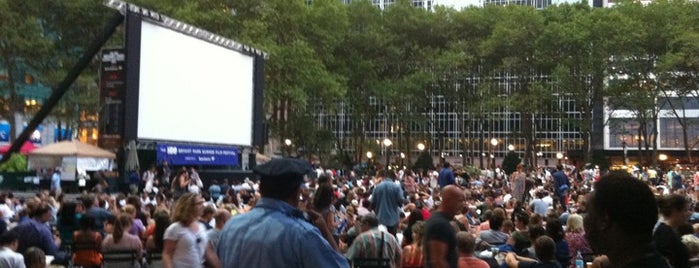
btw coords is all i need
(9, 241)
(387, 199)
(696, 183)
(373, 243)
(148, 179)
(440, 239)
(621, 214)
(56, 181)
(561, 185)
(269, 234)
(518, 181)
(180, 183)
(215, 191)
(164, 173)
(446, 176)
(677, 180)
(675, 211)
(185, 242)
(195, 184)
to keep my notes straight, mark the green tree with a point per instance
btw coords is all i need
(23, 46)
(513, 46)
(510, 162)
(679, 71)
(637, 64)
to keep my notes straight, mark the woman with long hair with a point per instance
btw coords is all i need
(120, 238)
(180, 183)
(414, 217)
(323, 204)
(87, 244)
(69, 216)
(412, 253)
(162, 222)
(185, 241)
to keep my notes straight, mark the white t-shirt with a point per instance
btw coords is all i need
(7, 213)
(190, 247)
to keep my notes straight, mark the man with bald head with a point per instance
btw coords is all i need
(439, 240)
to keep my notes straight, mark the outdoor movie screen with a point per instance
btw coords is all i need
(192, 90)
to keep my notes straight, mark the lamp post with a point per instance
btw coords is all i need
(559, 156)
(493, 142)
(287, 142)
(387, 143)
(369, 155)
(402, 159)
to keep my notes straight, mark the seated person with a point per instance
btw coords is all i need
(87, 244)
(546, 252)
(466, 246)
(8, 250)
(34, 257)
(494, 236)
(534, 233)
(120, 239)
(162, 221)
(36, 233)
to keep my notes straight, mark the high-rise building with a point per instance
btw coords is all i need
(451, 130)
(538, 4)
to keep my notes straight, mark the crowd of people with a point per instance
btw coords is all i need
(301, 216)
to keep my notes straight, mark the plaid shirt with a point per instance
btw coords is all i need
(365, 246)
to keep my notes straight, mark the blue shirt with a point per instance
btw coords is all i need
(446, 177)
(100, 215)
(214, 192)
(560, 179)
(56, 181)
(388, 199)
(36, 234)
(275, 234)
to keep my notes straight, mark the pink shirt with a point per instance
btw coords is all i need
(472, 262)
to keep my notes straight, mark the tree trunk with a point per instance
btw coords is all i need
(528, 133)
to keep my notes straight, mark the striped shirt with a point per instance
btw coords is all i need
(365, 246)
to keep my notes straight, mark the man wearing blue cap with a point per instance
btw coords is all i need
(275, 233)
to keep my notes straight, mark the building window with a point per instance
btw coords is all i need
(671, 134)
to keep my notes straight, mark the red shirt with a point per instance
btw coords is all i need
(472, 262)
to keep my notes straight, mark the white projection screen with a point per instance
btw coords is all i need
(192, 90)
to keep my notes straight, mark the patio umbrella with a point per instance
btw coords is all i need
(132, 156)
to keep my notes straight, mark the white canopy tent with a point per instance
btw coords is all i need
(72, 156)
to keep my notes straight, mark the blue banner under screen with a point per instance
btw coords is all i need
(186, 154)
